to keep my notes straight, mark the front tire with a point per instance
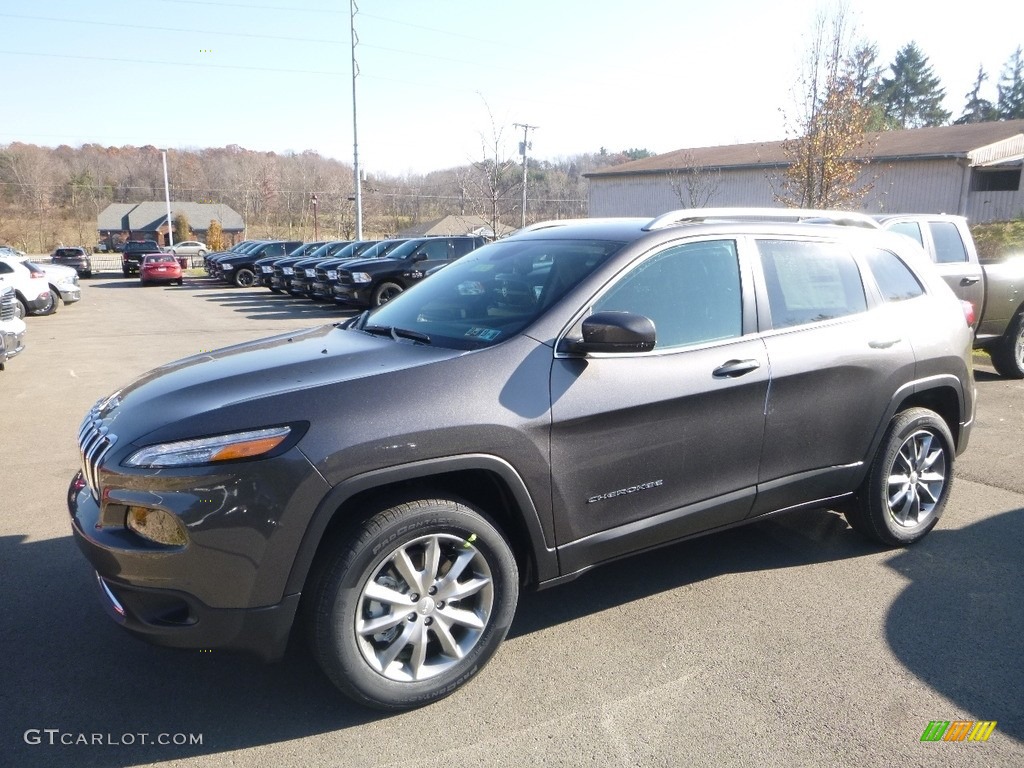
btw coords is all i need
(245, 278)
(909, 481)
(1008, 353)
(411, 604)
(49, 307)
(385, 292)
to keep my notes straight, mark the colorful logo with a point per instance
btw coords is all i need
(958, 730)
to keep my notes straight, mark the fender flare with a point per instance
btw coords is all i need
(545, 556)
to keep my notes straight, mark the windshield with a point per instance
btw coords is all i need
(380, 249)
(404, 249)
(492, 293)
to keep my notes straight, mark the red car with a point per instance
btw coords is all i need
(160, 268)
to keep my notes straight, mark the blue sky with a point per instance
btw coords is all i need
(275, 75)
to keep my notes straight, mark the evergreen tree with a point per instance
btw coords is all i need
(912, 97)
(1011, 88)
(181, 228)
(977, 109)
(862, 71)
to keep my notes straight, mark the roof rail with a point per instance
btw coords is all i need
(807, 215)
(548, 224)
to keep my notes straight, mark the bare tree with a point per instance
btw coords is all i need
(695, 186)
(826, 145)
(495, 179)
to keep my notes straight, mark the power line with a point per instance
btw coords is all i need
(149, 28)
(171, 63)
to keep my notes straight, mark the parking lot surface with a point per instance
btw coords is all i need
(790, 642)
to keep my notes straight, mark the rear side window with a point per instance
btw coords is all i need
(810, 282)
(894, 278)
(949, 246)
(908, 228)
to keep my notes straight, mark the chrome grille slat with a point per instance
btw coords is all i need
(94, 441)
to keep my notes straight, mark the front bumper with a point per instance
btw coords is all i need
(225, 586)
(14, 340)
(351, 295)
(69, 294)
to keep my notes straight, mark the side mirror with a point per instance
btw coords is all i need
(419, 257)
(614, 332)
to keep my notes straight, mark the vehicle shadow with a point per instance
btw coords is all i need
(67, 667)
(959, 624)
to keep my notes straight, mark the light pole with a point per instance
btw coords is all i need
(524, 145)
(316, 228)
(167, 197)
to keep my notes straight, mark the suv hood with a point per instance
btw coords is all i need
(193, 388)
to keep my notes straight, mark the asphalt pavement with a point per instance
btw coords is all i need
(789, 642)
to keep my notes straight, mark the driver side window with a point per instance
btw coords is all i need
(690, 292)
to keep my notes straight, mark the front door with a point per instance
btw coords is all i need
(654, 446)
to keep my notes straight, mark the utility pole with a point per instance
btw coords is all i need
(316, 229)
(523, 146)
(353, 10)
(167, 197)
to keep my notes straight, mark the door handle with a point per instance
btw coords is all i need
(733, 368)
(971, 280)
(883, 343)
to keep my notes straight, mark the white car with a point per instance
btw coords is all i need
(64, 281)
(31, 286)
(189, 248)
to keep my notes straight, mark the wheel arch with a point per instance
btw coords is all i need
(487, 483)
(942, 394)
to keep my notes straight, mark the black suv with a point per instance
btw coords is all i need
(133, 252)
(584, 391)
(372, 282)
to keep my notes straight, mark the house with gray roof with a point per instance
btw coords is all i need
(972, 170)
(456, 224)
(148, 221)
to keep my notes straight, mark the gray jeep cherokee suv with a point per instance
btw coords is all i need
(583, 390)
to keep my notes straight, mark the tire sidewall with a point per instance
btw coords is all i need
(352, 673)
(380, 289)
(903, 426)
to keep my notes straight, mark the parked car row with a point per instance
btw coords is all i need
(361, 273)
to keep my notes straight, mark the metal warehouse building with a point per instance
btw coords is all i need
(972, 170)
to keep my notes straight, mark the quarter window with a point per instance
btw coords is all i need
(894, 278)
(691, 293)
(809, 282)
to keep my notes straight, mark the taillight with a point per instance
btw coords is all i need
(968, 312)
(38, 275)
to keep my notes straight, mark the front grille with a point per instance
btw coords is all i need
(94, 441)
(7, 311)
(345, 279)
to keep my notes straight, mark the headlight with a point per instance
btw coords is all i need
(228, 267)
(361, 277)
(332, 274)
(288, 270)
(310, 273)
(208, 450)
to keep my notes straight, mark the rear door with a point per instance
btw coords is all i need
(834, 354)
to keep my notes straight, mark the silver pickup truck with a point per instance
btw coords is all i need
(995, 289)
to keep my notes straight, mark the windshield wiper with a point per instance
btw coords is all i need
(397, 333)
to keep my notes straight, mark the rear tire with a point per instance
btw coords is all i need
(410, 604)
(49, 307)
(1008, 353)
(909, 481)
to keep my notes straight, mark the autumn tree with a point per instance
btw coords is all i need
(912, 97)
(826, 146)
(215, 236)
(1011, 88)
(977, 109)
